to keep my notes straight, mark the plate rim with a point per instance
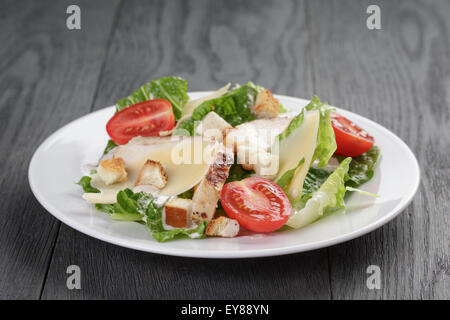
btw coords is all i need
(158, 248)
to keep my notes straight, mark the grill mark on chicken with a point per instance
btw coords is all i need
(218, 172)
(208, 191)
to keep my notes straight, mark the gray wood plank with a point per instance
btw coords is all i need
(209, 43)
(112, 272)
(399, 77)
(47, 78)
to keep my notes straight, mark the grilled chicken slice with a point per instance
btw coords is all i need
(252, 142)
(207, 193)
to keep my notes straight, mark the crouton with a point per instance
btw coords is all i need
(152, 173)
(213, 127)
(222, 227)
(207, 193)
(178, 212)
(247, 166)
(266, 105)
(112, 171)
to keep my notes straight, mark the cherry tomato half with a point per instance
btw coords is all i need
(146, 118)
(351, 140)
(258, 204)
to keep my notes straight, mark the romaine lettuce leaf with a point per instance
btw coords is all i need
(109, 146)
(85, 183)
(293, 125)
(361, 170)
(172, 89)
(362, 167)
(286, 178)
(166, 235)
(298, 141)
(128, 206)
(188, 194)
(141, 206)
(326, 142)
(313, 180)
(329, 196)
(237, 173)
(256, 87)
(233, 106)
(282, 109)
(192, 104)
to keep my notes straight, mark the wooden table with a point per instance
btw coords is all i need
(398, 76)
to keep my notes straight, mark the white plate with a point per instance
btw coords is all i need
(57, 164)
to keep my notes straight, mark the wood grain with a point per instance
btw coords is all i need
(209, 43)
(47, 78)
(398, 76)
(112, 272)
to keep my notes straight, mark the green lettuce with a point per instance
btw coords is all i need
(109, 146)
(172, 89)
(326, 142)
(85, 183)
(292, 126)
(329, 197)
(188, 194)
(256, 87)
(234, 106)
(141, 206)
(313, 181)
(130, 206)
(362, 167)
(237, 173)
(361, 170)
(286, 178)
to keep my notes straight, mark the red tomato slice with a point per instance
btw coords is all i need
(258, 204)
(351, 140)
(146, 118)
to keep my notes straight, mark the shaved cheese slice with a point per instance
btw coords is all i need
(301, 143)
(189, 107)
(106, 197)
(185, 162)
